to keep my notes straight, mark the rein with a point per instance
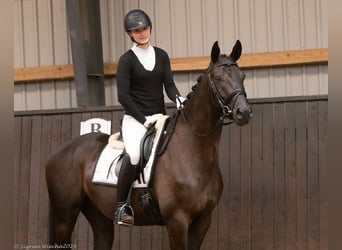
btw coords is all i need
(198, 134)
(224, 104)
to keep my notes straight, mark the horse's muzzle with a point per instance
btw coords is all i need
(242, 115)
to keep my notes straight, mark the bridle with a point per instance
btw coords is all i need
(224, 103)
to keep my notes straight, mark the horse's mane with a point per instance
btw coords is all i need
(199, 79)
(194, 87)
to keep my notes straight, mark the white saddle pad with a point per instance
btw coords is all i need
(105, 170)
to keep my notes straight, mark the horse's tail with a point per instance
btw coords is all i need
(52, 230)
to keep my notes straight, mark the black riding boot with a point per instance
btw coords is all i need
(124, 212)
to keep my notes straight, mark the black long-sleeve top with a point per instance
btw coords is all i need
(140, 91)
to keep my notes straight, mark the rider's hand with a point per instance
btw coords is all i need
(150, 120)
(180, 101)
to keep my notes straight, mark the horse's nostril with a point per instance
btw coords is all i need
(239, 114)
(242, 114)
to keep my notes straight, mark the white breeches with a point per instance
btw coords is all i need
(132, 134)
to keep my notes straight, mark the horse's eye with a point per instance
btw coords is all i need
(217, 78)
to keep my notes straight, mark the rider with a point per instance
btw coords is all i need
(142, 74)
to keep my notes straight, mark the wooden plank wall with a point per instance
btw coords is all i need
(274, 171)
(184, 29)
(185, 64)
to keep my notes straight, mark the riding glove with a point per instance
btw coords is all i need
(150, 120)
(180, 101)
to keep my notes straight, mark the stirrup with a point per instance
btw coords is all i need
(124, 215)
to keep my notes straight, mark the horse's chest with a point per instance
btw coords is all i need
(209, 190)
(207, 199)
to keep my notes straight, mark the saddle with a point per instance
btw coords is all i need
(147, 144)
(148, 139)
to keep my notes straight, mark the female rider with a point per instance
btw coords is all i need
(143, 73)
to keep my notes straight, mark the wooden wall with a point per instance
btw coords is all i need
(274, 171)
(183, 28)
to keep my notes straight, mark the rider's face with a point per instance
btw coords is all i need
(141, 36)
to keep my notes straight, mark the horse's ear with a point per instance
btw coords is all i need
(215, 52)
(236, 52)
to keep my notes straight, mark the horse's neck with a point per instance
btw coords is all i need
(202, 111)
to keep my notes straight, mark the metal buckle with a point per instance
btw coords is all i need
(226, 110)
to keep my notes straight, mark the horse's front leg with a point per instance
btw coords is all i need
(177, 228)
(197, 231)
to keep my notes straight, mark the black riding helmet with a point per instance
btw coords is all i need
(136, 19)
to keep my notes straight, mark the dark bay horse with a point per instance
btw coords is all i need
(187, 182)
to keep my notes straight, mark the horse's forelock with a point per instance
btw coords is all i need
(223, 59)
(226, 59)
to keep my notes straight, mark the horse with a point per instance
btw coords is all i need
(187, 182)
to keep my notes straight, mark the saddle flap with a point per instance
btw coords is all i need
(146, 145)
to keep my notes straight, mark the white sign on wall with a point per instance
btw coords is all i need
(95, 125)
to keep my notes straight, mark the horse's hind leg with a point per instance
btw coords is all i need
(102, 227)
(63, 222)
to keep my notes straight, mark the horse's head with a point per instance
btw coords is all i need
(226, 80)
